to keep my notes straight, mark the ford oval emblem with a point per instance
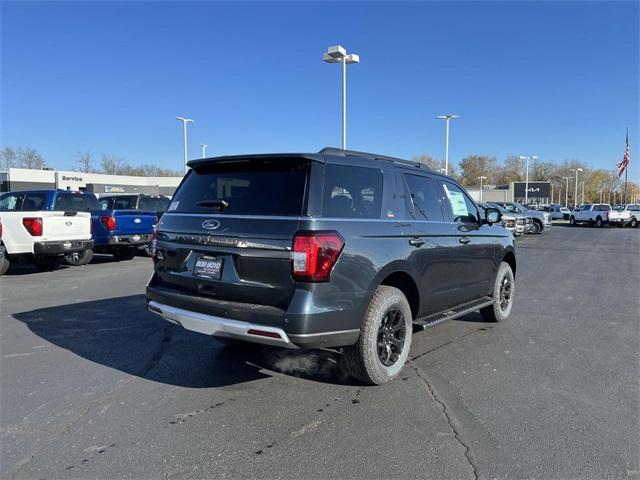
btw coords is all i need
(68, 224)
(210, 224)
(137, 220)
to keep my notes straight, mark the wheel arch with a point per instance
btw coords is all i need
(510, 257)
(398, 274)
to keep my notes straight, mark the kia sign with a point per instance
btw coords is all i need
(536, 189)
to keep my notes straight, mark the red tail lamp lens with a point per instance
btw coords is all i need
(314, 255)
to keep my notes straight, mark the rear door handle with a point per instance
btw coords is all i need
(416, 242)
(464, 240)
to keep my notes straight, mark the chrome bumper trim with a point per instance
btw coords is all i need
(218, 326)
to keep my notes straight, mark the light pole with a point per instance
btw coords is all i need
(481, 178)
(582, 199)
(337, 54)
(566, 193)
(204, 150)
(575, 197)
(184, 128)
(446, 118)
(526, 182)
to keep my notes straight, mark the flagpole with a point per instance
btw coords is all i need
(624, 199)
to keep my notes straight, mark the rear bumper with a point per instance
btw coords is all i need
(230, 319)
(134, 239)
(617, 221)
(62, 247)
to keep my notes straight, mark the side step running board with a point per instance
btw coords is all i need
(450, 314)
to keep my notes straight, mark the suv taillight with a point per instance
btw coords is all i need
(33, 226)
(108, 222)
(314, 255)
(152, 244)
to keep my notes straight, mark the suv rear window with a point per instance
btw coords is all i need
(75, 202)
(251, 187)
(351, 192)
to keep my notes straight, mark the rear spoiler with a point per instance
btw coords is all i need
(202, 162)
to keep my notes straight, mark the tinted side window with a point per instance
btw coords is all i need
(425, 204)
(352, 192)
(462, 208)
(153, 203)
(10, 202)
(34, 202)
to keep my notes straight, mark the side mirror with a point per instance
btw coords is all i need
(492, 215)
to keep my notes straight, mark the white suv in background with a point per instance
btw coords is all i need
(594, 214)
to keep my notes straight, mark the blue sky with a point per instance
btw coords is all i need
(555, 79)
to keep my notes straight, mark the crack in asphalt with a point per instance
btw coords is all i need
(151, 364)
(445, 412)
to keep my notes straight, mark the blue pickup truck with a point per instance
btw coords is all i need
(115, 231)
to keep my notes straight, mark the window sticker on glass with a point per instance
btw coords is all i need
(458, 205)
(173, 205)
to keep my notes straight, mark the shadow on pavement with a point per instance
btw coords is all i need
(120, 333)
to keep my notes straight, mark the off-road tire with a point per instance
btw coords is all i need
(4, 264)
(495, 312)
(599, 222)
(361, 360)
(123, 253)
(77, 259)
(47, 262)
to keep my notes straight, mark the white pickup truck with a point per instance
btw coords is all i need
(43, 237)
(630, 212)
(598, 214)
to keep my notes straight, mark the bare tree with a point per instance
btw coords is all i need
(112, 164)
(85, 162)
(9, 158)
(29, 158)
(474, 166)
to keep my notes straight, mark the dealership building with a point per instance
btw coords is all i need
(539, 193)
(17, 179)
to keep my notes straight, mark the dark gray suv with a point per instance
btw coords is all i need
(334, 249)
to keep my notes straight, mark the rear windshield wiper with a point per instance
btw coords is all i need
(219, 204)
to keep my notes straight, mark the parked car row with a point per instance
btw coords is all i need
(47, 227)
(519, 219)
(602, 214)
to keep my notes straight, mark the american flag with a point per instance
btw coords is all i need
(622, 166)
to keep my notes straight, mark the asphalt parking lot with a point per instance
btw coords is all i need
(94, 386)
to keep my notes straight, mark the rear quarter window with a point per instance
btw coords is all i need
(351, 192)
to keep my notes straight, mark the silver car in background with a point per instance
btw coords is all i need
(540, 220)
(514, 222)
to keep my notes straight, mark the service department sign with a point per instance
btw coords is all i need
(535, 190)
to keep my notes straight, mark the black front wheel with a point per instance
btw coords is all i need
(385, 338)
(633, 223)
(79, 258)
(599, 222)
(572, 221)
(504, 290)
(536, 228)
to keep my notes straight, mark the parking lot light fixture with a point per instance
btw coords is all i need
(184, 129)
(526, 182)
(481, 178)
(446, 118)
(566, 193)
(204, 150)
(575, 196)
(338, 54)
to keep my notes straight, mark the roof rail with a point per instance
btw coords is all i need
(372, 156)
